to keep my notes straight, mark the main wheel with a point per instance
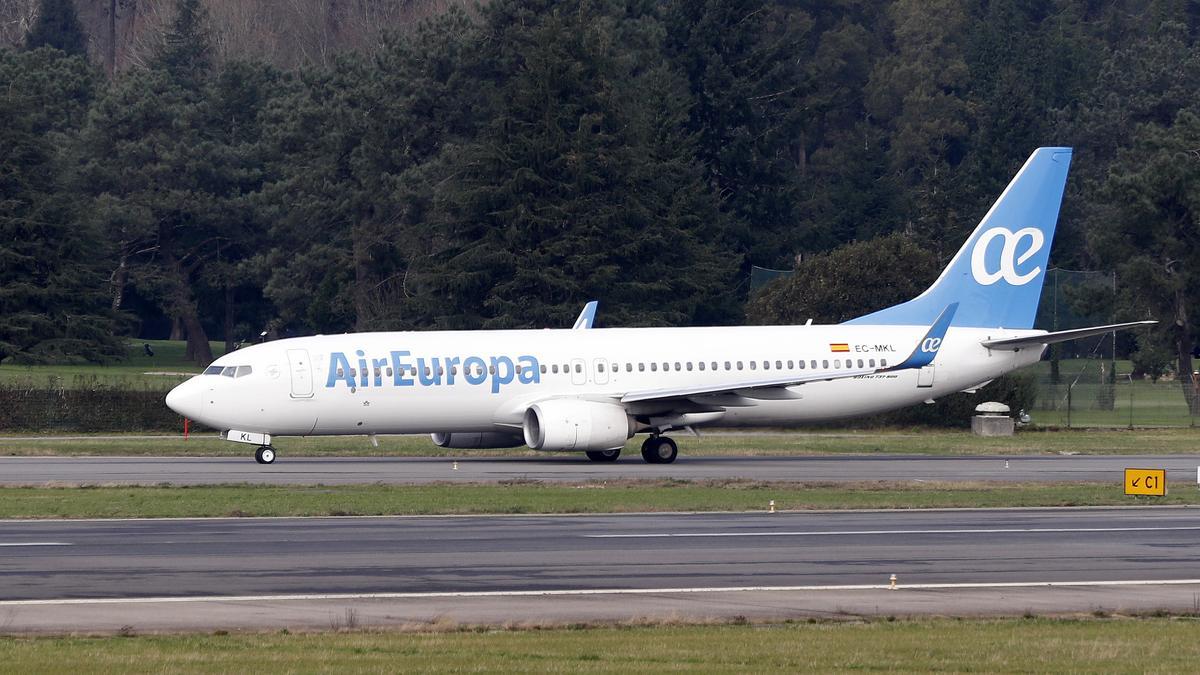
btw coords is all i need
(264, 455)
(659, 450)
(604, 455)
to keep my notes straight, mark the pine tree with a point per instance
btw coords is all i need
(583, 184)
(186, 50)
(358, 150)
(53, 305)
(58, 26)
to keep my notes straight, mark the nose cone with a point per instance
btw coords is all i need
(185, 399)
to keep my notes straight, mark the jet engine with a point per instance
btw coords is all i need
(575, 424)
(475, 440)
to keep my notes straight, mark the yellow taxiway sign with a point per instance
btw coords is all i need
(1145, 482)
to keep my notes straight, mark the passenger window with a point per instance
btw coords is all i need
(628, 367)
(353, 373)
(860, 363)
(752, 365)
(666, 367)
(871, 363)
(790, 366)
(555, 367)
(641, 367)
(653, 367)
(677, 366)
(727, 366)
(801, 364)
(825, 363)
(813, 364)
(543, 369)
(701, 364)
(779, 365)
(378, 372)
(837, 363)
(578, 368)
(739, 365)
(600, 367)
(883, 363)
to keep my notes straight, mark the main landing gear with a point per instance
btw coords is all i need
(264, 455)
(655, 450)
(659, 450)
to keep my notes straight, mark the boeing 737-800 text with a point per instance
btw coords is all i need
(591, 390)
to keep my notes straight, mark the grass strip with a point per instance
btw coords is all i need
(533, 497)
(1157, 644)
(906, 441)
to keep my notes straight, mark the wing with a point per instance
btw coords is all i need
(587, 317)
(776, 388)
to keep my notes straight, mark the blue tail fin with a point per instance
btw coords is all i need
(996, 277)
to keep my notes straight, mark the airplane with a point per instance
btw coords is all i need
(591, 390)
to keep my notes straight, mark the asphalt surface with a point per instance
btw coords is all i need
(260, 572)
(413, 470)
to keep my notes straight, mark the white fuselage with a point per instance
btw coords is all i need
(301, 387)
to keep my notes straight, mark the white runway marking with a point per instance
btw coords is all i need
(35, 543)
(596, 591)
(847, 533)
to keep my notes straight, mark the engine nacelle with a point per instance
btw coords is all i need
(476, 440)
(574, 424)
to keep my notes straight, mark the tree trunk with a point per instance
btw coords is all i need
(362, 274)
(183, 305)
(112, 38)
(1183, 352)
(176, 329)
(229, 319)
(120, 276)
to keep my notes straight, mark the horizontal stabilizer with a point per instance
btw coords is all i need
(1060, 336)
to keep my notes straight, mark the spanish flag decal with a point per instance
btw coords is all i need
(839, 347)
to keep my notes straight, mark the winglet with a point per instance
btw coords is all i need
(587, 317)
(931, 342)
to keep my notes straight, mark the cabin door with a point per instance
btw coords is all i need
(301, 368)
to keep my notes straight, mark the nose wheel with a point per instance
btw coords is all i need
(264, 455)
(659, 450)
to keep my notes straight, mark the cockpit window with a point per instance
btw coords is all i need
(229, 371)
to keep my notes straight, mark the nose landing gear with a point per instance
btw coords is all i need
(264, 455)
(659, 450)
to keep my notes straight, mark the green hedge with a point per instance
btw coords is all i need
(39, 407)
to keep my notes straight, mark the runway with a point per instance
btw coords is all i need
(84, 575)
(468, 469)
